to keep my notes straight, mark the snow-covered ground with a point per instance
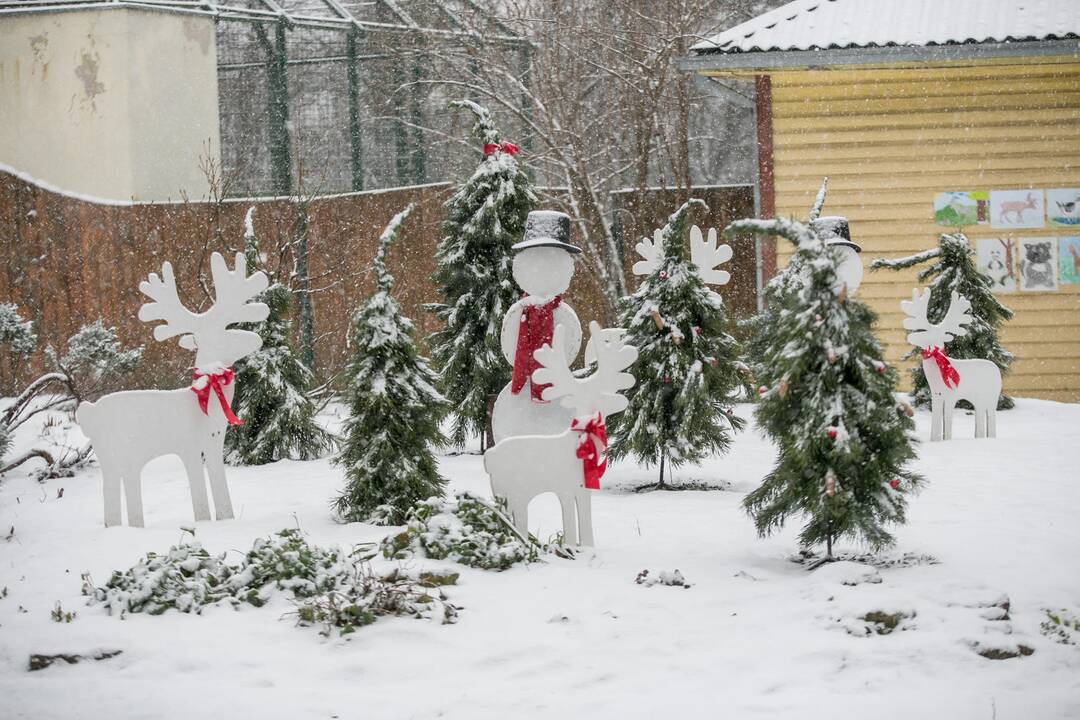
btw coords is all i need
(756, 636)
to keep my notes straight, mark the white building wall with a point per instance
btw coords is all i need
(116, 103)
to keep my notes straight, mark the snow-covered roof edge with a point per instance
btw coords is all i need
(869, 31)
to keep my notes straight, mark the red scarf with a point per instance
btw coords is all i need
(504, 147)
(948, 372)
(537, 327)
(215, 381)
(593, 442)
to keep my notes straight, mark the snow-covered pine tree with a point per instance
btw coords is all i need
(271, 386)
(680, 409)
(843, 440)
(394, 409)
(952, 269)
(485, 216)
(780, 293)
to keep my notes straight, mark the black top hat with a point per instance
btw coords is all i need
(833, 230)
(547, 228)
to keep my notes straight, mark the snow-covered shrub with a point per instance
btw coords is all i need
(467, 530)
(93, 363)
(1060, 626)
(329, 586)
(16, 335)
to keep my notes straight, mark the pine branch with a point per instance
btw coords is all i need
(906, 262)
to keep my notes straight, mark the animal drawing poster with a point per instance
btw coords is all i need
(996, 259)
(1063, 207)
(1017, 209)
(1038, 264)
(1069, 261)
(959, 209)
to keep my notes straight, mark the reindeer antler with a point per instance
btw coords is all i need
(166, 306)
(706, 255)
(927, 334)
(598, 393)
(958, 315)
(233, 289)
(649, 250)
(915, 309)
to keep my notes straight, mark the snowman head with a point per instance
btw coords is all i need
(834, 232)
(544, 259)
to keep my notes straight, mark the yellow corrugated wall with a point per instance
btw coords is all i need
(891, 139)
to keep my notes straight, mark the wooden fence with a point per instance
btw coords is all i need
(70, 261)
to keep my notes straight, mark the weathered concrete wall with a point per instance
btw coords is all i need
(114, 103)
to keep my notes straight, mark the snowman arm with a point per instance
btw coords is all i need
(565, 316)
(511, 326)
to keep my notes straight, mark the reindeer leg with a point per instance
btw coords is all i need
(200, 503)
(584, 516)
(569, 522)
(936, 404)
(110, 485)
(980, 421)
(520, 513)
(133, 496)
(947, 416)
(991, 422)
(219, 486)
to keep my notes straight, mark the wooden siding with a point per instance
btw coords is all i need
(890, 139)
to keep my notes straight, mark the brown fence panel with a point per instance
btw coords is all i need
(69, 261)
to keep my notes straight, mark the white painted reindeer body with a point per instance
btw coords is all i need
(524, 466)
(980, 380)
(130, 428)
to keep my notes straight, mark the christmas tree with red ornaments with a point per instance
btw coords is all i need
(681, 410)
(843, 440)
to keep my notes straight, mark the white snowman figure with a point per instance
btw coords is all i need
(543, 267)
(834, 232)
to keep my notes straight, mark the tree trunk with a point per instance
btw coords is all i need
(489, 432)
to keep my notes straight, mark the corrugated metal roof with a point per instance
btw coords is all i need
(838, 24)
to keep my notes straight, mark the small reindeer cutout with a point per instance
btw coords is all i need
(950, 381)
(130, 428)
(706, 255)
(567, 464)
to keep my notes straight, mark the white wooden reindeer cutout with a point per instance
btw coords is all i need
(569, 464)
(977, 381)
(706, 255)
(130, 428)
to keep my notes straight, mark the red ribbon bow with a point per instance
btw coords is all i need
(216, 381)
(948, 372)
(537, 328)
(504, 147)
(593, 442)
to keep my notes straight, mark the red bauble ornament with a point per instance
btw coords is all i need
(663, 274)
(881, 369)
(762, 390)
(832, 433)
(666, 379)
(894, 484)
(697, 330)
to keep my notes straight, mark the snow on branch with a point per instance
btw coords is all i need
(906, 262)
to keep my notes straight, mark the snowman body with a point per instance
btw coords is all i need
(544, 273)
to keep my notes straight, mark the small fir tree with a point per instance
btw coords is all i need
(843, 441)
(688, 371)
(485, 216)
(780, 293)
(394, 409)
(271, 387)
(952, 269)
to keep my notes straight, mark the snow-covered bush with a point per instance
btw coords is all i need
(93, 363)
(394, 408)
(1061, 626)
(467, 530)
(330, 587)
